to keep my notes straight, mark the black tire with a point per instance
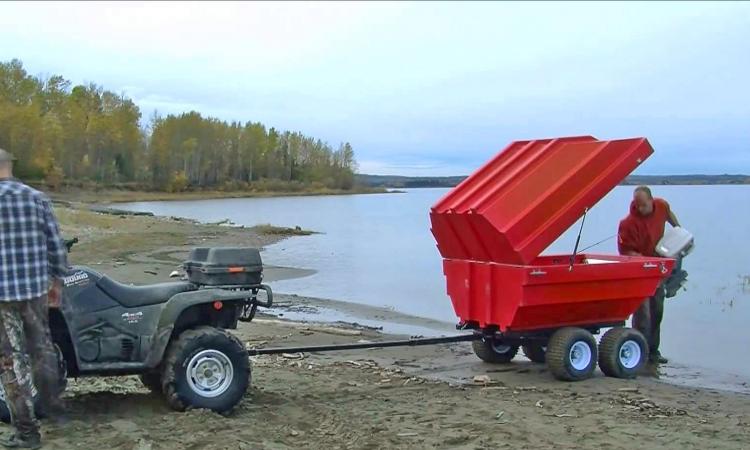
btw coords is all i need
(152, 380)
(618, 356)
(494, 351)
(62, 385)
(535, 352)
(564, 362)
(220, 352)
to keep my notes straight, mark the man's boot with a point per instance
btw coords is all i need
(18, 441)
(657, 358)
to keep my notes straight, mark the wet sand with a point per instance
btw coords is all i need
(423, 397)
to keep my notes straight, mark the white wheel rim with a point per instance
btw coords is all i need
(499, 348)
(630, 354)
(210, 373)
(580, 355)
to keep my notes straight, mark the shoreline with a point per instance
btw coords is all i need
(106, 196)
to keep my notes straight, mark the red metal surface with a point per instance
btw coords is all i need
(491, 229)
(546, 294)
(517, 204)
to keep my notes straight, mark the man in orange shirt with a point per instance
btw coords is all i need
(638, 235)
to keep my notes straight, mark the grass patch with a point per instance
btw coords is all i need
(78, 218)
(269, 229)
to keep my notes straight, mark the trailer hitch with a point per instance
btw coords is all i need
(364, 345)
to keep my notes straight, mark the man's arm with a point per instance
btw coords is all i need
(672, 219)
(56, 252)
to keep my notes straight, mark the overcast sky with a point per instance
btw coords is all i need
(420, 88)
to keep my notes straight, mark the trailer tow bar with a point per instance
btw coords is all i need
(416, 342)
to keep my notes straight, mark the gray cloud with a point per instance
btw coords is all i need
(420, 88)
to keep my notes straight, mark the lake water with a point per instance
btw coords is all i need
(378, 250)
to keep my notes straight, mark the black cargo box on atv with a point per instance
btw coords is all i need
(232, 266)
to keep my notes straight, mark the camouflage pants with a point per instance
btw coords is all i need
(27, 358)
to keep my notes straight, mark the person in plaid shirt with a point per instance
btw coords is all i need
(33, 259)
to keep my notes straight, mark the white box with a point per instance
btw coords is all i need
(675, 242)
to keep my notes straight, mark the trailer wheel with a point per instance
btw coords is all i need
(494, 351)
(535, 352)
(572, 354)
(622, 352)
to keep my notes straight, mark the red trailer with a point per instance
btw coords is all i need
(491, 230)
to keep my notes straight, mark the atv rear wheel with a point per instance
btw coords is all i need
(206, 368)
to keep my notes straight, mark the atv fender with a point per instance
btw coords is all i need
(175, 307)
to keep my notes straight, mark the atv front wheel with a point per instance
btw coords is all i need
(206, 368)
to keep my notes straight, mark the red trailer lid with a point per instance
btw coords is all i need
(517, 204)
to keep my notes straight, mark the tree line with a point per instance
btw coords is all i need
(63, 132)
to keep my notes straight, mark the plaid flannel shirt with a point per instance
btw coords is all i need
(31, 248)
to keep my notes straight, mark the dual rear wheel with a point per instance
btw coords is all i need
(572, 353)
(622, 352)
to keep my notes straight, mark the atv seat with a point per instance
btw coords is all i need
(134, 296)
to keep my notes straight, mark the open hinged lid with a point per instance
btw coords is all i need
(519, 202)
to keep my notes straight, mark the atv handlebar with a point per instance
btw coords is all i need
(70, 242)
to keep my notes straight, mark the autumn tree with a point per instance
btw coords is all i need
(63, 132)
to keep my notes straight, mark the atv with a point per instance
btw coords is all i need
(173, 335)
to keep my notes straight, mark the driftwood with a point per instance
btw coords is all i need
(119, 212)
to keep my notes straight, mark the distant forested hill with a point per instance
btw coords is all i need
(406, 182)
(425, 182)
